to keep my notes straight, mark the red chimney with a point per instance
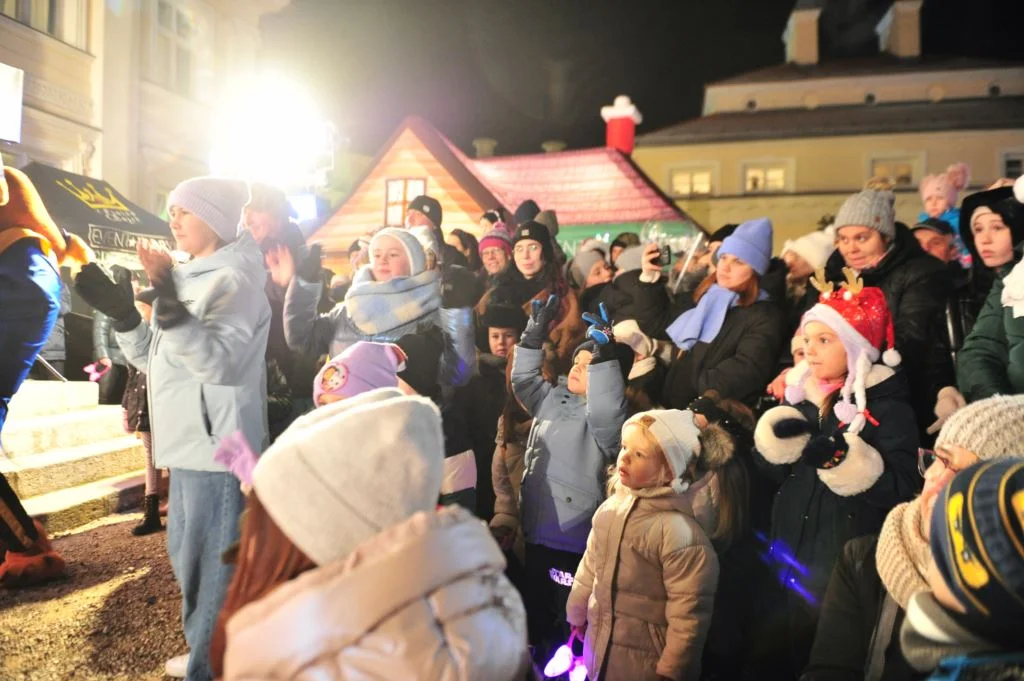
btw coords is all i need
(622, 118)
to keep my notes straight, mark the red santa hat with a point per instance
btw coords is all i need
(860, 317)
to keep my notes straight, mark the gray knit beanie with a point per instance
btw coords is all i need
(992, 428)
(217, 201)
(869, 208)
(582, 264)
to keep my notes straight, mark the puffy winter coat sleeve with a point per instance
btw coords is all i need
(751, 367)
(983, 360)
(606, 405)
(135, 345)
(100, 335)
(582, 585)
(654, 309)
(528, 385)
(848, 614)
(458, 358)
(305, 330)
(506, 506)
(690, 574)
(207, 346)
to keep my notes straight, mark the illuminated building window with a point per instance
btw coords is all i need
(765, 178)
(399, 193)
(899, 170)
(181, 33)
(1013, 165)
(696, 182)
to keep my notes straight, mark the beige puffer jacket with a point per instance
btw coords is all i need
(507, 467)
(649, 568)
(422, 600)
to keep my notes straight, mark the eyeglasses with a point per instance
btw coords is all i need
(926, 457)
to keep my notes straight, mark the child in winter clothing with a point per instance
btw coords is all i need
(575, 436)
(939, 194)
(846, 437)
(649, 573)
(135, 405)
(363, 366)
(324, 578)
(398, 293)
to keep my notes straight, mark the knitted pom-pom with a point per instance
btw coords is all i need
(795, 394)
(1018, 189)
(891, 357)
(679, 485)
(845, 411)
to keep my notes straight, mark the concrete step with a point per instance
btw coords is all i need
(38, 434)
(39, 398)
(69, 508)
(57, 469)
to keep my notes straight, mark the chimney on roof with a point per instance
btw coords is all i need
(801, 34)
(553, 146)
(621, 118)
(899, 31)
(485, 147)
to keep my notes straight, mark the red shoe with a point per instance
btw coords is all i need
(41, 564)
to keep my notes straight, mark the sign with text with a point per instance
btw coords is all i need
(104, 238)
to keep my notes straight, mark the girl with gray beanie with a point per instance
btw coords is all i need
(203, 353)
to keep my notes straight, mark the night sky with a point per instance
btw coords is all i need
(525, 71)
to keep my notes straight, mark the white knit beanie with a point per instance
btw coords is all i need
(351, 470)
(678, 437)
(217, 201)
(992, 428)
(815, 247)
(415, 251)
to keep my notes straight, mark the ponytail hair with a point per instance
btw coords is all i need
(717, 457)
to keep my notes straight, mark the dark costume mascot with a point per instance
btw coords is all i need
(32, 248)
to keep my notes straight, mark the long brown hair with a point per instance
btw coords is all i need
(267, 558)
(748, 294)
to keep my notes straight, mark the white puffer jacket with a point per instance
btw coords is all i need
(422, 600)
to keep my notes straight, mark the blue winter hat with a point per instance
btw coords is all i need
(217, 201)
(751, 243)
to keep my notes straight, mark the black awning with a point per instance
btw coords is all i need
(94, 210)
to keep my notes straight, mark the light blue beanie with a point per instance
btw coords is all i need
(751, 243)
(217, 201)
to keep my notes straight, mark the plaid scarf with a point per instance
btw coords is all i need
(380, 307)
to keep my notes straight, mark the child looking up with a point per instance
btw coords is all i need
(575, 436)
(650, 572)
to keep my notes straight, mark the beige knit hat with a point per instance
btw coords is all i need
(992, 428)
(359, 466)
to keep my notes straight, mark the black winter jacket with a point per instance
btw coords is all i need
(849, 617)
(480, 403)
(738, 363)
(134, 401)
(916, 287)
(816, 512)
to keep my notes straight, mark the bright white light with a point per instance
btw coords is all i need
(269, 129)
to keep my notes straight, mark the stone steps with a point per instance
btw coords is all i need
(69, 458)
(58, 469)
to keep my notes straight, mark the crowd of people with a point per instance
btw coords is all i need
(492, 459)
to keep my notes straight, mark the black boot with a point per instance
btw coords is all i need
(151, 516)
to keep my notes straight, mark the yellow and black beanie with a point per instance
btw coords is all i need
(977, 542)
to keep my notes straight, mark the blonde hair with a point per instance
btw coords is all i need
(643, 424)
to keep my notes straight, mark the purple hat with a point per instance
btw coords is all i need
(362, 367)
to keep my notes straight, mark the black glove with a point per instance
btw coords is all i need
(309, 268)
(103, 294)
(540, 320)
(170, 312)
(787, 428)
(826, 451)
(459, 287)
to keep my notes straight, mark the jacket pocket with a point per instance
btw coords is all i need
(657, 635)
(574, 507)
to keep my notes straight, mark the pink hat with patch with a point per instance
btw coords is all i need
(362, 367)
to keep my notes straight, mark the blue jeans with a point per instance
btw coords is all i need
(202, 523)
(29, 303)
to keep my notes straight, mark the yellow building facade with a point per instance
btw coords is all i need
(793, 141)
(124, 91)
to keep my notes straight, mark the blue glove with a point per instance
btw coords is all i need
(540, 321)
(600, 330)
